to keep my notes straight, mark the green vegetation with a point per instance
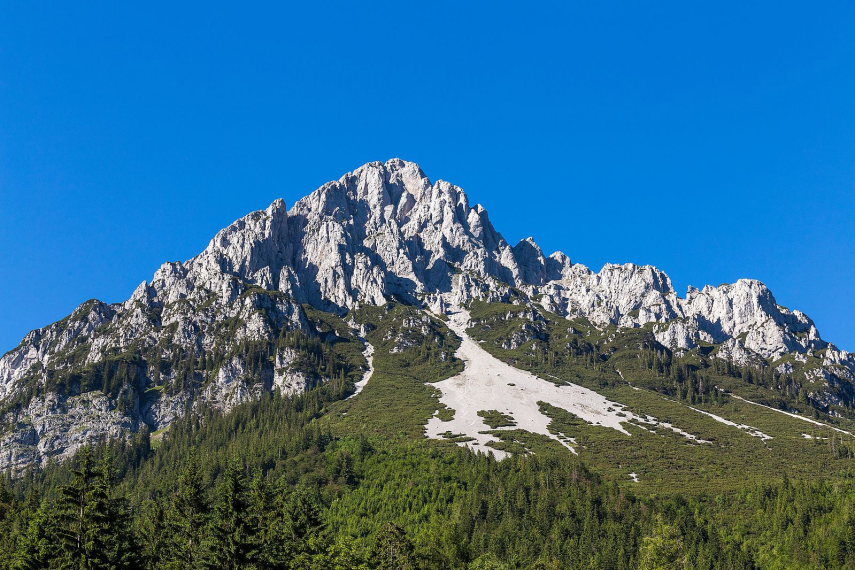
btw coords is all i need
(265, 488)
(496, 419)
(411, 350)
(629, 367)
(319, 481)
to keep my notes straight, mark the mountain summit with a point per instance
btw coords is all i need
(382, 233)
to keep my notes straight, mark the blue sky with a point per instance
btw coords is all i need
(714, 140)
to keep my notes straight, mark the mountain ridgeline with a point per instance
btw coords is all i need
(265, 305)
(376, 379)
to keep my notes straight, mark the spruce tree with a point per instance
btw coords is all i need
(93, 529)
(155, 536)
(38, 546)
(295, 536)
(231, 544)
(393, 550)
(186, 518)
(109, 537)
(258, 514)
(72, 521)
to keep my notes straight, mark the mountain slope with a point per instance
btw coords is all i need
(270, 305)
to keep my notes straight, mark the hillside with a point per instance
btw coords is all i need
(221, 328)
(379, 357)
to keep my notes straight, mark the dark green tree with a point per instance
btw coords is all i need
(393, 550)
(74, 526)
(155, 536)
(186, 517)
(296, 534)
(93, 528)
(38, 547)
(231, 544)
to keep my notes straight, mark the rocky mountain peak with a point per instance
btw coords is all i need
(382, 232)
(385, 230)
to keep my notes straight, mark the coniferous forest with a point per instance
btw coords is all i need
(265, 487)
(314, 480)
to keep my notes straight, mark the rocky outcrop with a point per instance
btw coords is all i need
(56, 427)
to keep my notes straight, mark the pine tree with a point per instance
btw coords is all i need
(259, 509)
(155, 536)
(187, 515)
(38, 545)
(109, 537)
(8, 506)
(231, 544)
(72, 514)
(93, 529)
(393, 550)
(295, 536)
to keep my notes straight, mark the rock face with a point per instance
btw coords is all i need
(381, 232)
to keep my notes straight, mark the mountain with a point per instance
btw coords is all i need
(281, 301)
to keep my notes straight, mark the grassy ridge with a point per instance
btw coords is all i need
(615, 364)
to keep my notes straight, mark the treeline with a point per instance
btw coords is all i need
(525, 514)
(243, 523)
(279, 483)
(267, 486)
(693, 379)
(461, 511)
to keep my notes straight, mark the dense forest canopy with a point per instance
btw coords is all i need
(264, 487)
(317, 480)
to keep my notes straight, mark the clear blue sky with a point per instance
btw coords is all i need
(714, 140)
